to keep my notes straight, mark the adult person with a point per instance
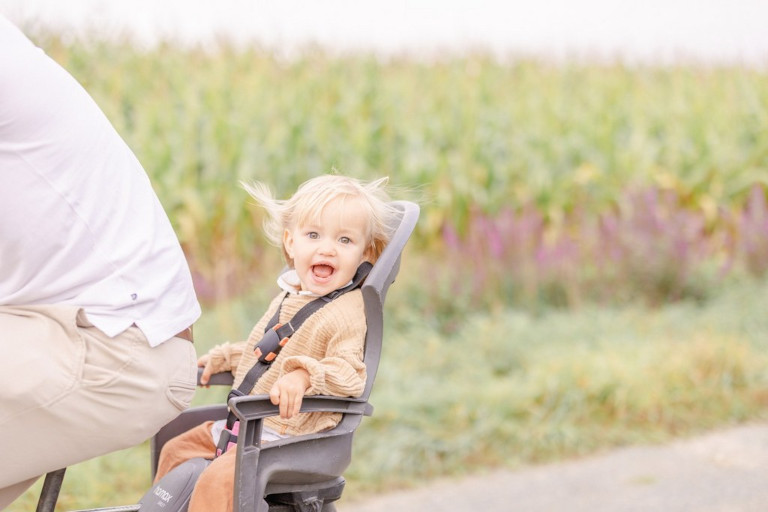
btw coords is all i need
(96, 298)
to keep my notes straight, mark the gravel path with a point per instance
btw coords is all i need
(724, 471)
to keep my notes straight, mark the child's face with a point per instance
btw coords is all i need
(326, 251)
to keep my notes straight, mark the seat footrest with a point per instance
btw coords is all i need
(305, 501)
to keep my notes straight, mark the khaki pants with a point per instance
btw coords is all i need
(215, 488)
(69, 393)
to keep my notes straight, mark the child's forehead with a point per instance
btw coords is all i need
(346, 210)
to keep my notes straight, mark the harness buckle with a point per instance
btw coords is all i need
(268, 346)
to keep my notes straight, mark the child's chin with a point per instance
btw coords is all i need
(318, 290)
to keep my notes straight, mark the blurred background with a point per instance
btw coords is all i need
(590, 269)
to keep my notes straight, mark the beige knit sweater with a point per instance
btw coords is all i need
(329, 345)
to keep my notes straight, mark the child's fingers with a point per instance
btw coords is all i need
(296, 404)
(281, 402)
(274, 394)
(288, 393)
(206, 375)
(287, 403)
(285, 409)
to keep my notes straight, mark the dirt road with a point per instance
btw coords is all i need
(724, 471)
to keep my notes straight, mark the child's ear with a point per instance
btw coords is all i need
(368, 254)
(288, 243)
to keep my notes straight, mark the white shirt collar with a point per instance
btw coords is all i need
(289, 281)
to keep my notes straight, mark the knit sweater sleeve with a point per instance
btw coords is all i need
(226, 357)
(337, 335)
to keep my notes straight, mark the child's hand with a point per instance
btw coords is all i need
(288, 392)
(205, 363)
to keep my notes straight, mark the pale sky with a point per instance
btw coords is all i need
(710, 30)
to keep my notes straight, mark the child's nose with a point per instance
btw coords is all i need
(327, 246)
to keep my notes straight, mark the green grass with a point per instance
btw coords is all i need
(513, 388)
(510, 388)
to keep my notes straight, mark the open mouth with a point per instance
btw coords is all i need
(322, 271)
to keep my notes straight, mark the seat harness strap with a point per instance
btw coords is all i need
(275, 337)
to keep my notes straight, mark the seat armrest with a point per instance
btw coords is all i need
(255, 407)
(217, 379)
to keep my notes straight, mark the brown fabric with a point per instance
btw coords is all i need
(215, 487)
(329, 345)
(226, 357)
(186, 334)
(214, 490)
(195, 442)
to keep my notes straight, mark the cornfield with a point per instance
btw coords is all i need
(557, 154)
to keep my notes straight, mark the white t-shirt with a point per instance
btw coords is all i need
(79, 221)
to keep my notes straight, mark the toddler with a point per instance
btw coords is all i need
(327, 229)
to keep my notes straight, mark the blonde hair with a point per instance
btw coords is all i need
(312, 196)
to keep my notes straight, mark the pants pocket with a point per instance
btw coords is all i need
(42, 354)
(180, 394)
(107, 360)
(182, 385)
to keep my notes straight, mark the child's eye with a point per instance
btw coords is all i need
(345, 240)
(312, 234)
